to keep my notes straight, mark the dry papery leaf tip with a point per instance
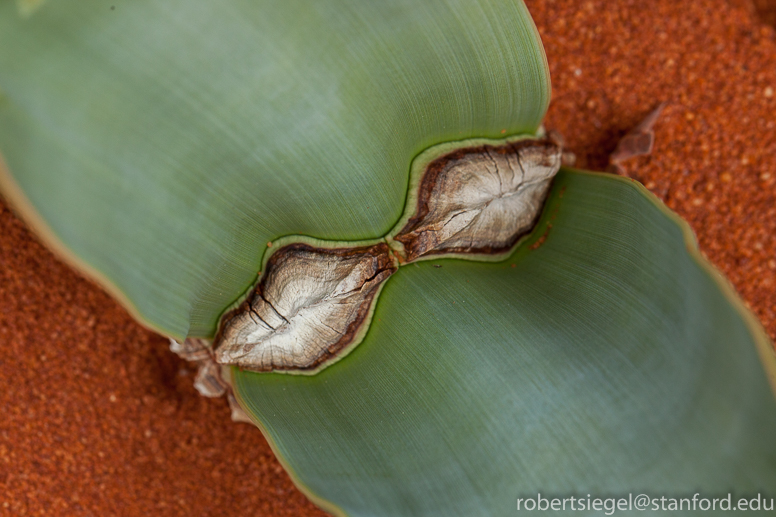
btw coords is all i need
(312, 305)
(209, 381)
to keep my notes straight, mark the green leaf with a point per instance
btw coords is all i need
(164, 144)
(610, 359)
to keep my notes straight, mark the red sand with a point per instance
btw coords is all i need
(101, 419)
(766, 11)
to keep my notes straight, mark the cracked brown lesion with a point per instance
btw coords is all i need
(480, 199)
(308, 308)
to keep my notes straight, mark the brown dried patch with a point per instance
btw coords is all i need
(541, 239)
(481, 199)
(308, 308)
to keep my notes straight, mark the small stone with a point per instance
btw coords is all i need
(768, 92)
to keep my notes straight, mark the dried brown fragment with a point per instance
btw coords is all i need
(480, 199)
(308, 307)
(238, 413)
(637, 142)
(208, 381)
(567, 158)
(192, 349)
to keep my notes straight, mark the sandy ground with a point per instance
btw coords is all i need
(99, 418)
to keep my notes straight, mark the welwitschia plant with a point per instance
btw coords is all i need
(359, 192)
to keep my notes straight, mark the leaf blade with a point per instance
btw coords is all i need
(153, 139)
(608, 360)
